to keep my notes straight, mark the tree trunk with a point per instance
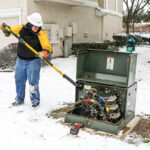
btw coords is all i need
(128, 21)
(133, 26)
(127, 27)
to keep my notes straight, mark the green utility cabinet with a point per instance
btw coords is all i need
(130, 45)
(111, 75)
(107, 67)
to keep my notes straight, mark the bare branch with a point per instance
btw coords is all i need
(140, 8)
(127, 4)
(133, 8)
(132, 5)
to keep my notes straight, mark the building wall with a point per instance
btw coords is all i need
(112, 21)
(12, 14)
(101, 3)
(112, 5)
(87, 22)
(120, 6)
(7, 40)
(93, 0)
(111, 25)
(16, 4)
(115, 5)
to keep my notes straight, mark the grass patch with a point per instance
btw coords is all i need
(143, 129)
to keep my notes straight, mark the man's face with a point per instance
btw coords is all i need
(35, 28)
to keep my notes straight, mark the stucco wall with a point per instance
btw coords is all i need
(101, 3)
(7, 40)
(120, 6)
(86, 19)
(9, 4)
(93, 0)
(112, 5)
(111, 25)
(12, 13)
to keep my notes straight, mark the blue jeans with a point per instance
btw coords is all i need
(28, 70)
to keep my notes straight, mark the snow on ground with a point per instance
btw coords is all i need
(27, 128)
(146, 35)
(141, 34)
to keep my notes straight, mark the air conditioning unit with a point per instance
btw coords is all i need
(61, 34)
(55, 36)
(53, 32)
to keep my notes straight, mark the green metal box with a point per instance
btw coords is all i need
(110, 76)
(112, 68)
(126, 101)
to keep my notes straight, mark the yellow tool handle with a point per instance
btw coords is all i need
(44, 59)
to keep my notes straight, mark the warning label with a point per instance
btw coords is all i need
(110, 63)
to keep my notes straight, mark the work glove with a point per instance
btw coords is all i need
(3, 27)
(42, 54)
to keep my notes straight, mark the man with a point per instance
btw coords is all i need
(28, 65)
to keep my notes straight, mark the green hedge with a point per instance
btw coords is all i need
(101, 46)
(121, 40)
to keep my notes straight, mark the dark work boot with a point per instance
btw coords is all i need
(17, 104)
(35, 105)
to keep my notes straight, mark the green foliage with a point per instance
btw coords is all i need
(107, 45)
(146, 40)
(138, 39)
(120, 40)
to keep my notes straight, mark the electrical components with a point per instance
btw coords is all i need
(95, 106)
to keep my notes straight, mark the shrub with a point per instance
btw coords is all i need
(107, 45)
(120, 40)
(8, 56)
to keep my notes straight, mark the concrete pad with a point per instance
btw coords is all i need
(123, 133)
(130, 126)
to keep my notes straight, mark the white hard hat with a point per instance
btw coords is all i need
(35, 19)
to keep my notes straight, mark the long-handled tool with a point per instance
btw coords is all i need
(44, 59)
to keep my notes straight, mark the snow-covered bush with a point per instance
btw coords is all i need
(8, 56)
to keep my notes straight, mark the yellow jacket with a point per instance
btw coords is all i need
(42, 35)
